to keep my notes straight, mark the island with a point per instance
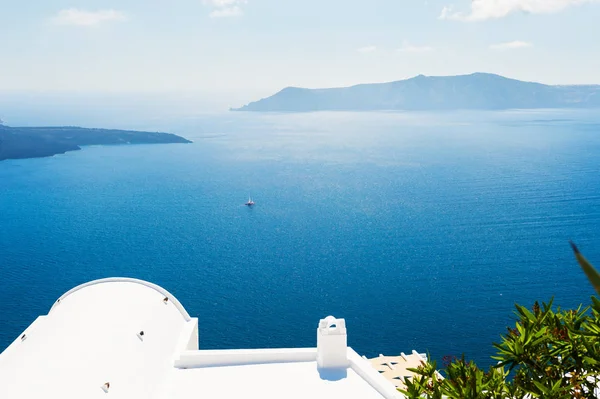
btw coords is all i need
(477, 91)
(36, 142)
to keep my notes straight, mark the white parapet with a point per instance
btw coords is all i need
(332, 344)
(367, 372)
(242, 357)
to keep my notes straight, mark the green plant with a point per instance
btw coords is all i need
(425, 383)
(463, 380)
(550, 353)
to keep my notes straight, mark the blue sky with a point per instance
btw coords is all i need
(256, 47)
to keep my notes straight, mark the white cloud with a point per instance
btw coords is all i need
(409, 48)
(488, 9)
(367, 49)
(73, 16)
(221, 3)
(511, 45)
(224, 12)
(225, 8)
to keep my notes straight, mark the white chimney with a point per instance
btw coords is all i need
(332, 343)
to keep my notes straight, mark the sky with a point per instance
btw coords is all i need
(252, 48)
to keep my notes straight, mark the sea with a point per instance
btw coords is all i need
(421, 229)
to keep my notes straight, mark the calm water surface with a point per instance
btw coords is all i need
(421, 229)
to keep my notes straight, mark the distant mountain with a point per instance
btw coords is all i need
(35, 142)
(481, 91)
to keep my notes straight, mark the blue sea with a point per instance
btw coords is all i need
(422, 230)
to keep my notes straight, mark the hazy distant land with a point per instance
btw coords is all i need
(36, 142)
(481, 91)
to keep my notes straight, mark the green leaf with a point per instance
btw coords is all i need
(541, 387)
(527, 313)
(591, 273)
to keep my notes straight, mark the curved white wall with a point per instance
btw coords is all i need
(155, 287)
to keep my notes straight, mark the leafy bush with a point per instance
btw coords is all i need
(550, 353)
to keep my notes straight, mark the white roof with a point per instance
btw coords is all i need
(299, 380)
(93, 336)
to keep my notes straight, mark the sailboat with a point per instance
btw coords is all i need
(250, 202)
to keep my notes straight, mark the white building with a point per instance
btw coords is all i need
(126, 338)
